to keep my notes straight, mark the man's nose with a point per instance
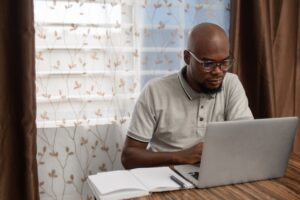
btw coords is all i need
(217, 69)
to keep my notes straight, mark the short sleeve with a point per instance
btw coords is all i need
(143, 120)
(237, 107)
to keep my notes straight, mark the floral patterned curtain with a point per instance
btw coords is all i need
(92, 59)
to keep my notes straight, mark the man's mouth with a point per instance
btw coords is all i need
(215, 81)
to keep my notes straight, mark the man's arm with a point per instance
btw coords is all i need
(135, 154)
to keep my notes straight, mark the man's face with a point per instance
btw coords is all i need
(203, 73)
(208, 82)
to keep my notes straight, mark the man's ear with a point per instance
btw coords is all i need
(186, 57)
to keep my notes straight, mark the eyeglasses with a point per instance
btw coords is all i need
(209, 65)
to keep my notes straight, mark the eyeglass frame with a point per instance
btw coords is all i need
(216, 63)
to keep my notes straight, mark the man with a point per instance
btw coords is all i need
(170, 116)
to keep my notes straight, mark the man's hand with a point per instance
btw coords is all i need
(191, 155)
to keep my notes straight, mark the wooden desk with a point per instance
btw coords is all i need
(287, 188)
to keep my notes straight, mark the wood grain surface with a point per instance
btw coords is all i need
(287, 188)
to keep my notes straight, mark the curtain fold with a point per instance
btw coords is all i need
(265, 43)
(18, 167)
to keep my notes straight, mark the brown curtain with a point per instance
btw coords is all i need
(18, 167)
(265, 39)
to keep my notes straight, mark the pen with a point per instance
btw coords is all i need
(176, 180)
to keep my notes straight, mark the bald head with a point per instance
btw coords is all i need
(207, 38)
(207, 43)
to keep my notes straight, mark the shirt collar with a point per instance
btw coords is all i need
(191, 93)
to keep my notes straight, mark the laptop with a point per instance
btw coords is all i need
(242, 151)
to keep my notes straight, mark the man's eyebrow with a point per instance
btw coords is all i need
(209, 59)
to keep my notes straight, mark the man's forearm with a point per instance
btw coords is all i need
(134, 157)
(135, 154)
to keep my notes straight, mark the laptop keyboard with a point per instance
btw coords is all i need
(194, 174)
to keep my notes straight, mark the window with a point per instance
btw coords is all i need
(85, 62)
(93, 57)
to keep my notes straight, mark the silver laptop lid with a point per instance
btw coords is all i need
(243, 151)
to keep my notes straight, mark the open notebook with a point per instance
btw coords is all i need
(124, 184)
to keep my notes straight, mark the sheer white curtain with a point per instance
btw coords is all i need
(92, 59)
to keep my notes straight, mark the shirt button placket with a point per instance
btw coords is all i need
(202, 113)
(201, 117)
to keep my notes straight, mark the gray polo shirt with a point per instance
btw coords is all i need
(171, 116)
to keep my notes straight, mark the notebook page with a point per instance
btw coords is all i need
(107, 182)
(158, 178)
